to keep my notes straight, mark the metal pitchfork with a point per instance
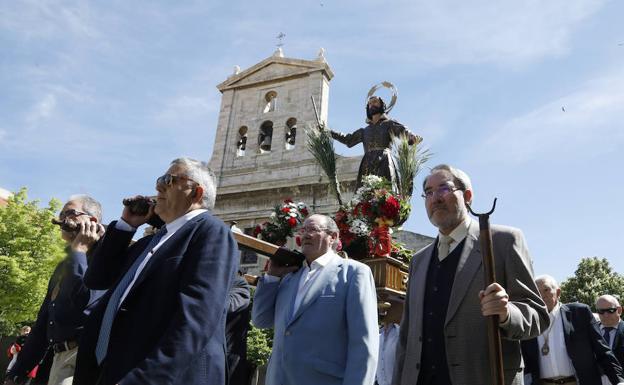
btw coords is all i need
(494, 338)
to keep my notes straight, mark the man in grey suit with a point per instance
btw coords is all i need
(443, 336)
(324, 315)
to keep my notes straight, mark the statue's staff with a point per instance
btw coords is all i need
(494, 338)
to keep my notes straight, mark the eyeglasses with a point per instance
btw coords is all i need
(70, 213)
(170, 179)
(610, 310)
(311, 230)
(441, 192)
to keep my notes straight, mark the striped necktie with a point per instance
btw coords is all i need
(113, 303)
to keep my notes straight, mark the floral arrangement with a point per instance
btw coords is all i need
(366, 222)
(283, 222)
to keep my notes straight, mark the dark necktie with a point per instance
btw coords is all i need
(113, 303)
(606, 334)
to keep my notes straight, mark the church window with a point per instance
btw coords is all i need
(291, 133)
(265, 136)
(270, 98)
(241, 144)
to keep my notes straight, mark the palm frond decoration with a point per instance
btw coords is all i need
(321, 145)
(408, 161)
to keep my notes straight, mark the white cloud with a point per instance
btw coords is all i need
(589, 125)
(445, 32)
(42, 110)
(185, 107)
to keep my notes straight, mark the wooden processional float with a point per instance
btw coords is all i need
(390, 274)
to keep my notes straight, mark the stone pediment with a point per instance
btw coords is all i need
(273, 69)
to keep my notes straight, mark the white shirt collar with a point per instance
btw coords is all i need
(175, 225)
(461, 231)
(322, 261)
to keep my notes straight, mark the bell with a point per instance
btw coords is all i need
(265, 144)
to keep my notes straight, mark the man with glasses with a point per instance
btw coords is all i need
(443, 336)
(163, 318)
(324, 315)
(571, 350)
(611, 326)
(68, 301)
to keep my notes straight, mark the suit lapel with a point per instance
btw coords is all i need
(166, 250)
(418, 278)
(568, 328)
(465, 275)
(326, 274)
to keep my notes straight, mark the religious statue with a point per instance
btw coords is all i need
(376, 137)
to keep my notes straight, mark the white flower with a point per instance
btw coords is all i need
(273, 215)
(370, 180)
(292, 214)
(359, 228)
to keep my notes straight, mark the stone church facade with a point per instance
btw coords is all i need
(260, 155)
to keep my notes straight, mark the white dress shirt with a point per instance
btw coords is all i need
(388, 338)
(309, 275)
(459, 234)
(557, 362)
(172, 227)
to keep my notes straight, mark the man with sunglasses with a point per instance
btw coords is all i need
(68, 301)
(443, 336)
(611, 325)
(163, 318)
(571, 350)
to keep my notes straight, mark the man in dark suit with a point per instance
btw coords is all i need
(163, 318)
(68, 302)
(236, 329)
(611, 325)
(443, 335)
(571, 350)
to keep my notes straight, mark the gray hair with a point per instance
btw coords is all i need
(89, 205)
(200, 173)
(332, 228)
(548, 281)
(460, 178)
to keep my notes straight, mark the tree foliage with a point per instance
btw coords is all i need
(30, 247)
(259, 342)
(593, 278)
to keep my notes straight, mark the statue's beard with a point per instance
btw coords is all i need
(370, 111)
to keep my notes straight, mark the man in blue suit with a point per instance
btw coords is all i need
(324, 315)
(163, 318)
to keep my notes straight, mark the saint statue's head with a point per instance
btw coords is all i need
(375, 105)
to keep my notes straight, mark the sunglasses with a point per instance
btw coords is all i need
(610, 310)
(71, 213)
(170, 179)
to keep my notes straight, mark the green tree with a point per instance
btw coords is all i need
(593, 278)
(259, 342)
(30, 248)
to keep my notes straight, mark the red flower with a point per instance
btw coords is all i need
(257, 230)
(298, 240)
(292, 222)
(380, 242)
(288, 200)
(304, 211)
(390, 208)
(285, 210)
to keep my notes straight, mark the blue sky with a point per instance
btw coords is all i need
(98, 97)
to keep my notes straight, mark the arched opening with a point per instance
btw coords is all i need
(291, 133)
(271, 100)
(265, 136)
(241, 144)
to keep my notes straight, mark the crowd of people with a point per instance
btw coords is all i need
(171, 308)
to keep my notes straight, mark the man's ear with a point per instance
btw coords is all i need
(198, 193)
(468, 196)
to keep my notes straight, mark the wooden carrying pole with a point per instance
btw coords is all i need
(494, 338)
(257, 245)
